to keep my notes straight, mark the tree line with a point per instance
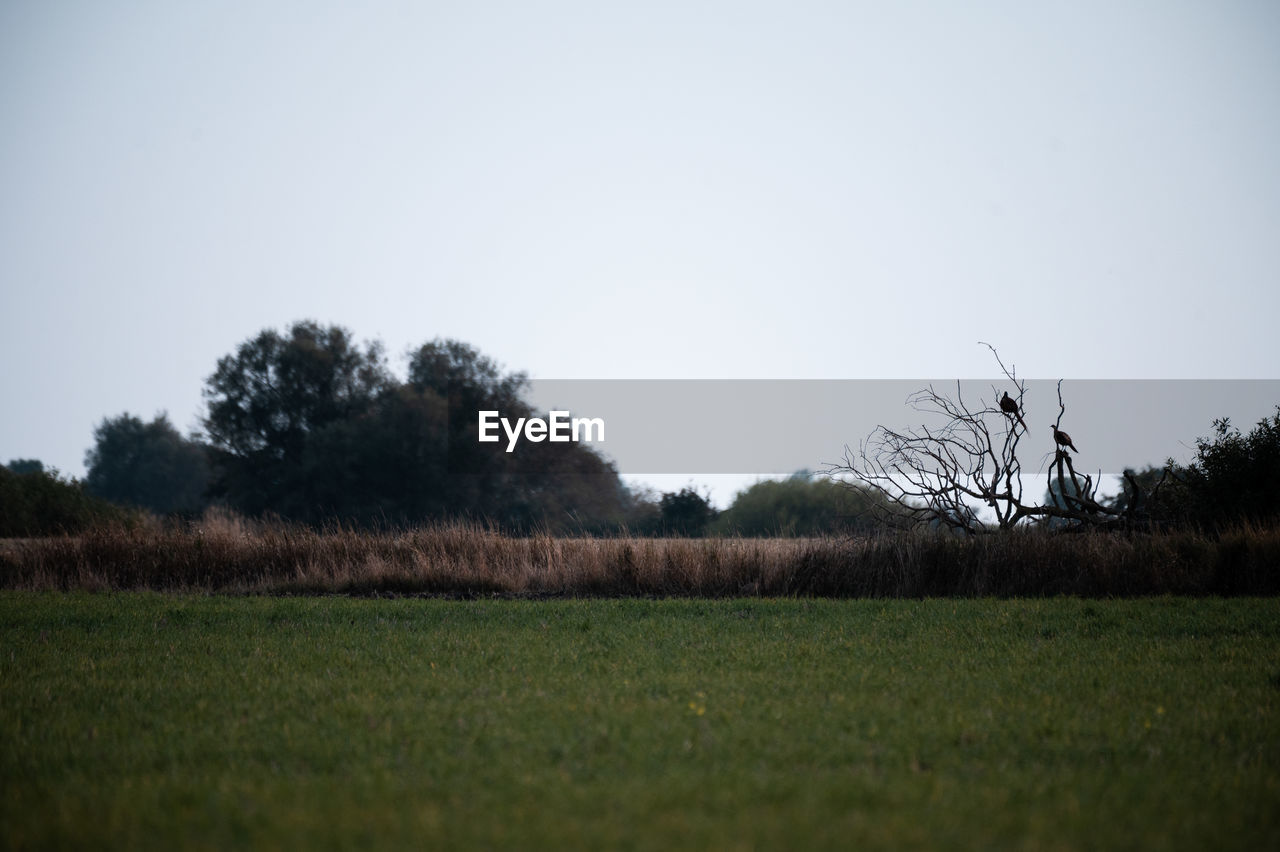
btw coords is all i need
(309, 426)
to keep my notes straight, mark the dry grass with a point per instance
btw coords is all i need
(224, 553)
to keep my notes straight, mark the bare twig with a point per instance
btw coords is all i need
(938, 474)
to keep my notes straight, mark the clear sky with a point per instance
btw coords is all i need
(642, 190)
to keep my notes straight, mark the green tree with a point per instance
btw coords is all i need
(148, 465)
(268, 401)
(1234, 478)
(309, 426)
(686, 513)
(801, 505)
(42, 503)
(26, 466)
(453, 367)
(471, 479)
(552, 486)
(382, 467)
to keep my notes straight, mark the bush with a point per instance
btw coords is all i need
(41, 503)
(147, 465)
(685, 513)
(799, 506)
(1236, 477)
(1234, 480)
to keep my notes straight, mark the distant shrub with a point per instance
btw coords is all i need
(1233, 480)
(1236, 477)
(147, 465)
(799, 506)
(686, 513)
(42, 503)
(26, 466)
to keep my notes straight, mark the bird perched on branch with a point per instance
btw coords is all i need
(1010, 406)
(1062, 439)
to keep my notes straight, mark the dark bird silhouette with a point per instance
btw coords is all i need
(1009, 406)
(1061, 438)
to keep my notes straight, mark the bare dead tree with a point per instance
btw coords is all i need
(1079, 502)
(969, 457)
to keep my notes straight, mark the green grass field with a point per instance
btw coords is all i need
(140, 720)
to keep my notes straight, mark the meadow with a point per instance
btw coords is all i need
(141, 720)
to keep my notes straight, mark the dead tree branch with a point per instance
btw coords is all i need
(965, 460)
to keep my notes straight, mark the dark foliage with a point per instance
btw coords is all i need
(148, 465)
(1234, 479)
(313, 428)
(801, 505)
(270, 400)
(42, 503)
(685, 513)
(1138, 491)
(26, 466)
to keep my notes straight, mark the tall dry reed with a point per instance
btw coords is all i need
(224, 553)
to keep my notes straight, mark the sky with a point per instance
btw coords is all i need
(715, 190)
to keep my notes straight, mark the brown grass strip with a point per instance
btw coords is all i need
(229, 555)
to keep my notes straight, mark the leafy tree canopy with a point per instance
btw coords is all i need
(1234, 478)
(686, 513)
(26, 466)
(148, 465)
(310, 426)
(42, 503)
(265, 399)
(801, 505)
(268, 401)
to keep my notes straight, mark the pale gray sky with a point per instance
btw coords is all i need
(646, 190)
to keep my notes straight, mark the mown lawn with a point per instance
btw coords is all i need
(148, 721)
